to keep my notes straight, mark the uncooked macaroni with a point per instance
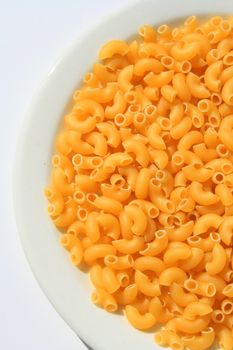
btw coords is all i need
(142, 181)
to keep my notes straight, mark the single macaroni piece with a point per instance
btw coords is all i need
(196, 309)
(205, 222)
(201, 342)
(218, 260)
(167, 337)
(197, 90)
(139, 321)
(180, 297)
(171, 275)
(113, 47)
(104, 299)
(145, 286)
(142, 181)
(200, 196)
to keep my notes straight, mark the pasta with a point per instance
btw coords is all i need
(142, 181)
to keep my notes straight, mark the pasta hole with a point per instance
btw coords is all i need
(218, 178)
(56, 161)
(190, 20)
(228, 289)
(153, 212)
(176, 220)
(110, 307)
(160, 175)
(229, 276)
(108, 186)
(222, 150)
(97, 162)
(228, 308)
(170, 206)
(214, 121)
(51, 209)
(150, 110)
(185, 67)
(203, 106)
(167, 61)
(227, 168)
(197, 166)
(142, 31)
(136, 204)
(228, 60)
(75, 260)
(166, 137)
(91, 197)
(215, 237)
(79, 196)
(215, 21)
(140, 118)
(208, 330)
(134, 108)
(143, 53)
(225, 26)
(124, 281)
(194, 239)
(219, 317)
(111, 259)
(88, 77)
(98, 118)
(130, 97)
(94, 173)
(64, 241)
(119, 182)
(196, 122)
(82, 214)
(77, 160)
(48, 193)
(202, 79)
(214, 53)
(165, 124)
(120, 119)
(178, 159)
(186, 107)
(211, 290)
(130, 260)
(162, 29)
(211, 37)
(155, 183)
(77, 95)
(191, 285)
(170, 220)
(160, 234)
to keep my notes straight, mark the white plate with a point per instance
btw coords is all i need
(67, 288)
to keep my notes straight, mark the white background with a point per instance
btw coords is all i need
(33, 34)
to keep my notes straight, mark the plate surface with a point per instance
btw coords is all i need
(67, 288)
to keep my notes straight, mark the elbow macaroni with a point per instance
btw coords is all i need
(142, 181)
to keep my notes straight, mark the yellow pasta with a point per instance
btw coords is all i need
(142, 181)
(139, 321)
(201, 342)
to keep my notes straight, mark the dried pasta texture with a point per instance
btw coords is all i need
(142, 181)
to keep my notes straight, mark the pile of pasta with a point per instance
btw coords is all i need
(142, 181)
